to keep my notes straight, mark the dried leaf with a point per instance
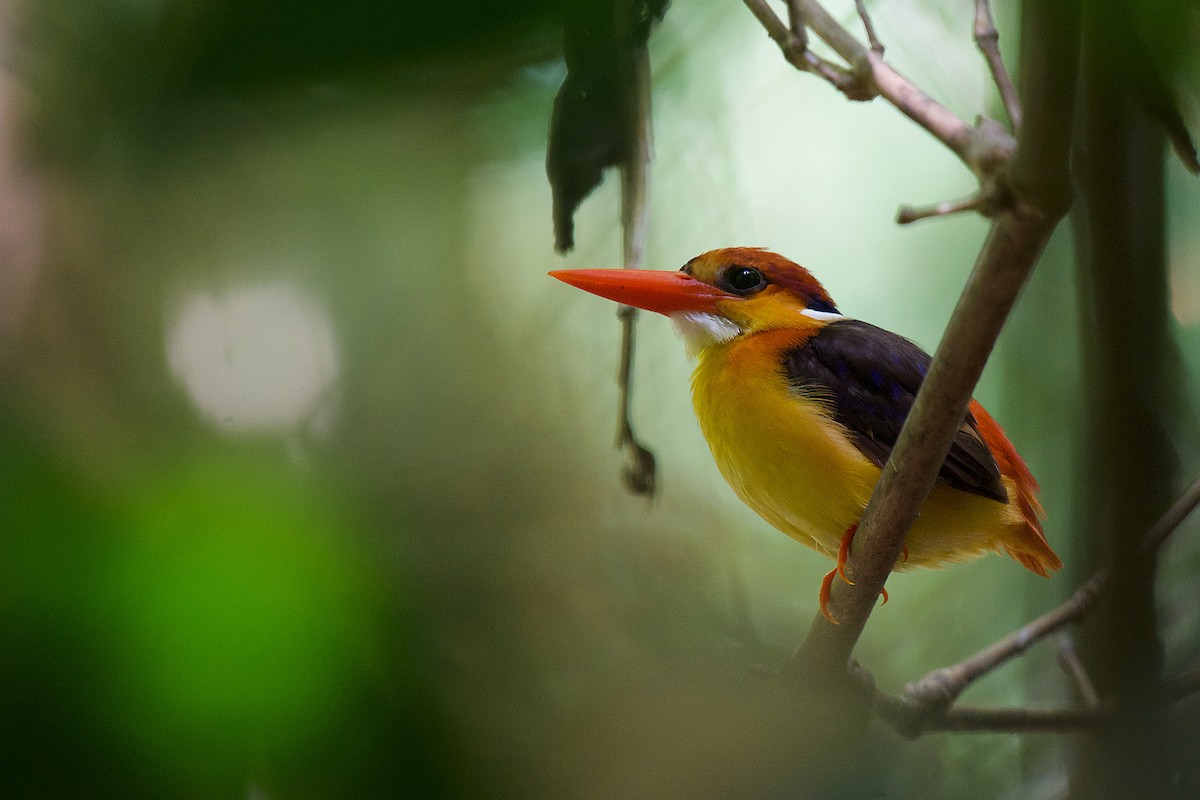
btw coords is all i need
(591, 126)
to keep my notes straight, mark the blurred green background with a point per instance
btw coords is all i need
(307, 478)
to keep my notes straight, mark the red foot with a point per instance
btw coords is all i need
(840, 571)
(823, 597)
(904, 553)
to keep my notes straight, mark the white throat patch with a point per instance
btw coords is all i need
(699, 329)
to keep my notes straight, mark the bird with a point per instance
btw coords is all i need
(801, 406)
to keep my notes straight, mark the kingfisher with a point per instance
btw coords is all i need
(801, 406)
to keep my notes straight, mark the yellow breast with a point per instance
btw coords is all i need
(789, 460)
(782, 454)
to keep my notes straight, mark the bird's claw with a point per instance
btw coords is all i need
(840, 571)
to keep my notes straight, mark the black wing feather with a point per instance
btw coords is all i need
(871, 377)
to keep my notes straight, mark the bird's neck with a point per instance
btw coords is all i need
(701, 331)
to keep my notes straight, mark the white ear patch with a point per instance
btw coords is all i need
(700, 329)
(823, 316)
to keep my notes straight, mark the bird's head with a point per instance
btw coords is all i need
(718, 295)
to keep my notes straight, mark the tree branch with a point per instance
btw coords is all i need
(872, 37)
(939, 689)
(1068, 659)
(793, 43)
(968, 719)
(987, 39)
(912, 721)
(985, 148)
(1033, 180)
(1016, 240)
(907, 215)
(1173, 517)
(1008, 256)
(930, 698)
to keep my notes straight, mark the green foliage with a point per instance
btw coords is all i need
(235, 610)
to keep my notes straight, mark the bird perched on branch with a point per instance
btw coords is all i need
(801, 407)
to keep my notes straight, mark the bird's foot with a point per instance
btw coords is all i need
(839, 571)
(823, 597)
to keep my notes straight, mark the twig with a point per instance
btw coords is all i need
(939, 689)
(796, 23)
(985, 149)
(967, 719)
(786, 38)
(911, 721)
(1173, 517)
(926, 700)
(872, 38)
(908, 721)
(1068, 659)
(909, 214)
(793, 43)
(987, 39)
(640, 473)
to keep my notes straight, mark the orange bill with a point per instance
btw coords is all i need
(652, 290)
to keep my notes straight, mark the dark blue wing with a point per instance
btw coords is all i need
(870, 377)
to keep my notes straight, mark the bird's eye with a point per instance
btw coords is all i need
(742, 280)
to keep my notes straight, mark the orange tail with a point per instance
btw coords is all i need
(1030, 547)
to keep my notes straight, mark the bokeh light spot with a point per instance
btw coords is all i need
(257, 358)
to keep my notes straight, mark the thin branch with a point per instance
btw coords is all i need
(793, 43)
(982, 148)
(1173, 517)
(967, 719)
(908, 721)
(872, 37)
(779, 33)
(1037, 193)
(640, 473)
(1013, 245)
(987, 39)
(907, 215)
(796, 23)
(940, 688)
(1068, 659)
(912, 721)
(1008, 257)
